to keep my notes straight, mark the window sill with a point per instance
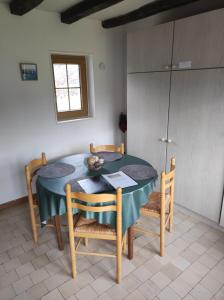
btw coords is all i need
(75, 120)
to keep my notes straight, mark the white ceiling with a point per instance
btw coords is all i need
(113, 11)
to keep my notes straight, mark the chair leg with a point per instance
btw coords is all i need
(162, 235)
(119, 257)
(171, 218)
(57, 224)
(73, 255)
(86, 242)
(33, 222)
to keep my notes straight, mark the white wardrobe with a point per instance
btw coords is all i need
(175, 106)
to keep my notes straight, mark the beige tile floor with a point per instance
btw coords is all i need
(193, 267)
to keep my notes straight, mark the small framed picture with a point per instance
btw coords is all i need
(28, 71)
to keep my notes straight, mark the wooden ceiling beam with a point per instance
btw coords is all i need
(145, 11)
(21, 7)
(84, 9)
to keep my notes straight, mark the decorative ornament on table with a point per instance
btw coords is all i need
(95, 162)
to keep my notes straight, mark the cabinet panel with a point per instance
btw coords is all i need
(150, 50)
(196, 126)
(200, 40)
(147, 111)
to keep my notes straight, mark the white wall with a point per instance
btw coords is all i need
(27, 116)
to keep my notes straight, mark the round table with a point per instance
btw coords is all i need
(52, 200)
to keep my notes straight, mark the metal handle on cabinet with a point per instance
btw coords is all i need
(163, 140)
(169, 141)
(174, 66)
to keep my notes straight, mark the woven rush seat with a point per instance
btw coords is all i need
(83, 225)
(154, 203)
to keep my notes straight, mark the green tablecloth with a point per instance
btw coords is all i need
(52, 200)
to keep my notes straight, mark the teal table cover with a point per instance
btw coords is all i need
(52, 200)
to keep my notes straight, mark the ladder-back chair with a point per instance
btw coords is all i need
(110, 148)
(160, 205)
(30, 171)
(94, 230)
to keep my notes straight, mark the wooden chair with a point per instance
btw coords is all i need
(92, 229)
(160, 205)
(112, 148)
(30, 172)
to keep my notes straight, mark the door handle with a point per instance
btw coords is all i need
(163, 140)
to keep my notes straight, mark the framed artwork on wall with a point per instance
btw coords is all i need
(28, 71)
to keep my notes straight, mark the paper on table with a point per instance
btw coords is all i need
(119, 179)
(93, 185)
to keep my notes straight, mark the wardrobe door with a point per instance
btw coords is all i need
(199, 41)
(150, 50)
(196, 129)
(147, 114)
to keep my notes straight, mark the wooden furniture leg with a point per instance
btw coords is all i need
(130, 242)
(57, 222)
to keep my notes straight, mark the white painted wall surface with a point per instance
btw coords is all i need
(27, 114)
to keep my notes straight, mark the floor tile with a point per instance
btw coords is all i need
(189, 277)
(7, 293)
(181, 263)
(4, 257)
(56, 280)
(136, 295)
(220, 294)
(149, 290)
(102, 284)
(15, 251)
(25, 269)
(201, 293)
(117, 292)
(69, 288)
(130, 282)
(211, 284)
(12, 264)
(168, 294)
(22, 284)
(181, 287)
(142, 273)
(40, 261)
(87, 293)
(53, 295)
(39, 275)
(160, 279)
(8, 278)
(171, 271)
(37, 291)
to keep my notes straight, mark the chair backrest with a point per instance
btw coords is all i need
(31, 169)
(112, 148)
(167, 182)
(114, 202)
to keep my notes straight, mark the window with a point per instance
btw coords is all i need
(70, 85)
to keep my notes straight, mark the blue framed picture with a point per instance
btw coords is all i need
(28, 71)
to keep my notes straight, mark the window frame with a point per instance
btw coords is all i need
(81, 61)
